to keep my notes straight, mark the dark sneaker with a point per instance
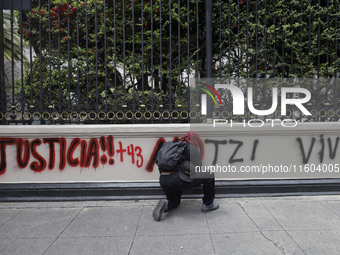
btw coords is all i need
(160, 208)
(208, 208)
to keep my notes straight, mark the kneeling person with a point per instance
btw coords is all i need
(174, 182)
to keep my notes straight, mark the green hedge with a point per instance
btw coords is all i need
(254, 39)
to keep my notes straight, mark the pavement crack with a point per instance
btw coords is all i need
(270, 240)
(63, 230)
(329, 209)
(134, 236)
(211, 239)
(283, 228)
(11, 218)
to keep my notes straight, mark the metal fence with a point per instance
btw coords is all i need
(117, 61)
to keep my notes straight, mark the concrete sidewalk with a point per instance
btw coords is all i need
(275, 225)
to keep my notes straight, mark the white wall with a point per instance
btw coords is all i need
(277, 147)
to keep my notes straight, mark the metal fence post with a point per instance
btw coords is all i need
(208, 47)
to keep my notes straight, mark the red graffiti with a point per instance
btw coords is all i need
(83, 153)
(3, 143)
(92, 153)
(23, 160)
(121, 152)
(40, 165)
(152, 160)
(135, 152)
(77, 153)
(107, 144)
(73, 146)
(139, 156)
(51, 142)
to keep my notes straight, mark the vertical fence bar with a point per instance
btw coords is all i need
(133, 58)
(318, 74)
(256, 38)
(292, 39)
(336, 41)
(41, 105)
(142, 14)
(124, 74)
(188, 56)
(327, 51)
(301, 48)
(152, 78)
(265, 39)
(220, 52)
(327, 57)
(68, 63)
(283, 46)
(179, 52)
(274, 39)
(115, 57)
(13, 105)
(300, 38)
(170, 63)
(229, 52)
(238, 39)
(247, 58)
(220, 34)
(209, 59)
(293, 73)
(336, 58)
(22, 65)
(160, 54)
(2, 85)
(78, 60)
(197, 49)
(31, 67)
(229, 40)
(49, 59)
(248, 36)
(87, 60)
(265, 55)
(309, 38)
(105, 64)
(96, 46)
(197, 41)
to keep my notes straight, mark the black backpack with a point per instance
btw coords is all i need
(170, 155)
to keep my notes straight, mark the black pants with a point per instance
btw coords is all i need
(173, 186)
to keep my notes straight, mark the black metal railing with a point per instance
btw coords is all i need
(117, 61)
